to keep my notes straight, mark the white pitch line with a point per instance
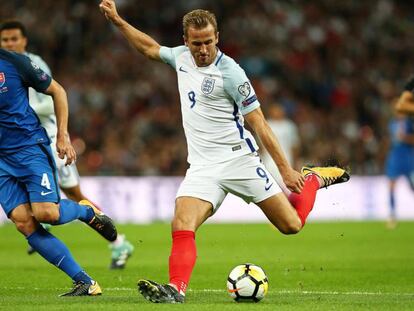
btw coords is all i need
(210, 290)
(305, 292)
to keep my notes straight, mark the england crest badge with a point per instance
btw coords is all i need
(208, 85)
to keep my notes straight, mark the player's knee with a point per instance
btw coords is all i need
(291, 227)
(47, 215)
(26, 227)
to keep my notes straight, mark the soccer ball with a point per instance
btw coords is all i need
(247, 283)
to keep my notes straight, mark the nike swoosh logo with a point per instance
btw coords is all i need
(45, 193)
(92, 288)
(181, 69)
(270, 186)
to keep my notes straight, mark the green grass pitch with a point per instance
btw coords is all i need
(328, 266)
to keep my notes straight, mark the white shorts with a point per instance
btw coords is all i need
(274, 171)
(68, 175)
(245, 177)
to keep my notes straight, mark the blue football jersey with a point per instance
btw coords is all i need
(398, 127)
(400, 159)
(19, 124)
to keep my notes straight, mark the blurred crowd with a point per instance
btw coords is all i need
(334, 66)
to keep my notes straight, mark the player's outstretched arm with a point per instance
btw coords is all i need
(405, 103)
(60, 101)
(293, 180)
(139, 40)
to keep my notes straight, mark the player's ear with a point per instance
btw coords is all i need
(185, 40)
(217, 37)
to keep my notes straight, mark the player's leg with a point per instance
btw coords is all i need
(121, 248)
(392, 220)
(198, 196)
(394, 167)
(14, 200)
(288, 214)
(189, 214)
(281, 213)
(37, 171)
(54, 251)
(248, 178)
(69, 182)
(66, 211)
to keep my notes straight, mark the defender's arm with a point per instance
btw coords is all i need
(60, 101)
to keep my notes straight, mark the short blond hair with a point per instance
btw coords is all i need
(199, 19)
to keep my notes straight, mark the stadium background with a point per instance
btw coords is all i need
(334, 65)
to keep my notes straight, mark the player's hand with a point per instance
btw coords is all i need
(108, 8)
(65, 148)
(293, 180)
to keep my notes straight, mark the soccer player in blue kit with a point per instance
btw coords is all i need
(29, 191)
(13, 38)
(400, 160)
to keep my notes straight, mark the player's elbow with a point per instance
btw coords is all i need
(152, 52)
(55, 90)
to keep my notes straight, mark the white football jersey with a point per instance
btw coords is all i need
(213, 101)
(41, 103)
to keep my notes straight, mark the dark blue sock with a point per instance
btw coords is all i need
(392, 204)
(83, 276)
(70, 210)
(54, 251)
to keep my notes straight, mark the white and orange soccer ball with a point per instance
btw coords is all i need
(247, 283)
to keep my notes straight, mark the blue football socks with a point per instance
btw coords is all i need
(55, 252)
(70, 210)
(392, 203)
(82, 277)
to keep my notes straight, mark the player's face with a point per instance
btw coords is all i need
(13, 40)
(202, 44)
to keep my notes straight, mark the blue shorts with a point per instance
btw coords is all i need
(399, 164)
(28, 175)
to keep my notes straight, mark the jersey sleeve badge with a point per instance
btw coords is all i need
(2, 79)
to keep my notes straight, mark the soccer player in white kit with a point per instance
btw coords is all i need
(13, 38)
(216, 98)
